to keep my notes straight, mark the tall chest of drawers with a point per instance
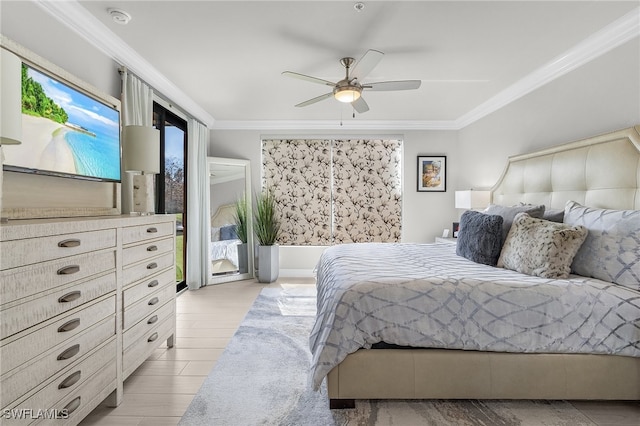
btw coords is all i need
(64, 303)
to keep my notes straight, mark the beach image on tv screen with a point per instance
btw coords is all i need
(65, 131)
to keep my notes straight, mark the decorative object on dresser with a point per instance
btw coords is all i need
(10, 110)
(83, 302)
(432, 173)
(141, 156)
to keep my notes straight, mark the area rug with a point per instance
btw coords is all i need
(261, 379)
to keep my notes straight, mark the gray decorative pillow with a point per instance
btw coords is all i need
(541, 248)
(611, 251)
(553, 215)
(480, 237)
(509, 213)
(228, 232)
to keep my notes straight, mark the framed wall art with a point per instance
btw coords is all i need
(432, 173)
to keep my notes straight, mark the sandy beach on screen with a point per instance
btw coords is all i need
(43, 146)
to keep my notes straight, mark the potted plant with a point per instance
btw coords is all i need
(240, 219)
(266, 227)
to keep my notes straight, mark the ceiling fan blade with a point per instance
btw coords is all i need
(316, 99)
(366, 64)
(308, 78)
(393, 85)
(360, 105)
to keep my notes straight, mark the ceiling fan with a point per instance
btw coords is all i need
(350, 88)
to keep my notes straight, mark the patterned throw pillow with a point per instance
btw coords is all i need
(480, 237)
(611, 251)
(541, 248)
(509, 213)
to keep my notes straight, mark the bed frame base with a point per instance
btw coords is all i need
(456, 374)
(341, 404)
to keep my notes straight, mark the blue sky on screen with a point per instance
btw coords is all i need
(82, 109)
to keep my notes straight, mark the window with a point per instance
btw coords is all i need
(171, 182)
(335, 191)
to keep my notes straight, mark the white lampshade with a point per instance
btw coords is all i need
(141, 149)
(10, 99)
(471, 199)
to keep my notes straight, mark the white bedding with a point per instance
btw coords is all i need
(225, 249)
(424, 295)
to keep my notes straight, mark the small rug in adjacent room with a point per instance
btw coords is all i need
(261, 379)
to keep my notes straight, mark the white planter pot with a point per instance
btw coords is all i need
(243, 258)
(269, 263)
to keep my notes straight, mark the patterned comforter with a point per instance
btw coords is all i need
(423, 295)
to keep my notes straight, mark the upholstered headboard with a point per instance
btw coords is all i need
(602, 171)
(223, 216)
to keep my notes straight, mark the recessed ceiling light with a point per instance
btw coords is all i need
(119, 16)
(358, 6)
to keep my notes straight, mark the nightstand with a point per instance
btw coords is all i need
(446, 240)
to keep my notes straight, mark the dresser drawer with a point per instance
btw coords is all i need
(135, 234)
(146, 306)
(70, 381)
(150, 249)
(55, 303)
(28, 280)
(148, 286)
(34, 250)
(142, 329)
(88, 396)
(136, 354)
(148, 268)
(31, 345)
(54, 360)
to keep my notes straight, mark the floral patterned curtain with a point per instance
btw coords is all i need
(335, 191)
(299, 173)
(367, 193)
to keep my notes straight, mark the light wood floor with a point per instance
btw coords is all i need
(160, 390)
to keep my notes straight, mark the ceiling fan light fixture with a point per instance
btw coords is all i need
(347, 94)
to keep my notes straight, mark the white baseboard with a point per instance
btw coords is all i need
(297, 273)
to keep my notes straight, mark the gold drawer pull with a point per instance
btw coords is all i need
(69, 325)
(152, 265)
(153, 337)
(153, 283)
(154, 301)
(152, 319)
(68, 270)
(70, 408)
(70, 381)
(72, 242)
(152, 248)
(152, 230)
(70, 297)
(69, 353)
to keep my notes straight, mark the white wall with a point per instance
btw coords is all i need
(599, 97)
(425, 214)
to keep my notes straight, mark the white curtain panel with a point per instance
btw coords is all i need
(137, 110)
(198, 225)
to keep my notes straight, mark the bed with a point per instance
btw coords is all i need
(223, 247)
(574, 338)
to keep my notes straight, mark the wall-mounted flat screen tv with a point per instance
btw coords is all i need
(65, 132)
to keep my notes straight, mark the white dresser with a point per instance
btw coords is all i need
(83, 302)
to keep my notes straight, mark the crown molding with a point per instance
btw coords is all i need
(608, 38)
(79, 20)
(264, 125)
(76, 17)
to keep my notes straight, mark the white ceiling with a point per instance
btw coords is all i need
(224, 59)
